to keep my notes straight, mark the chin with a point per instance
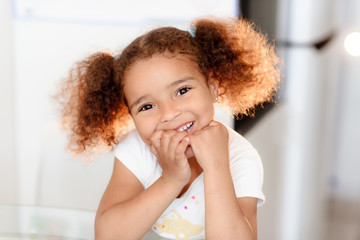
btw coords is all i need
(189, 153)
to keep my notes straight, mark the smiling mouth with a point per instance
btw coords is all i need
(185, 127)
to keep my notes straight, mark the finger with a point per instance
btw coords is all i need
(194, 141)
(165, 139)
(155, 138)
(176, 139)
(181, 148)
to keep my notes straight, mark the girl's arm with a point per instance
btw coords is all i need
(226, 217)
(126, 210)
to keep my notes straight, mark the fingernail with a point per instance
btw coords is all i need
(186, 138)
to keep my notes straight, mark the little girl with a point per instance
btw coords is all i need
(179, 173)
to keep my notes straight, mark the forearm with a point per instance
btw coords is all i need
(224, 218)
(133, 218)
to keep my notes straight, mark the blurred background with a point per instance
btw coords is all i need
(307, 139)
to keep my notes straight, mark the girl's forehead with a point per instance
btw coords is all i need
(156, 74)
(160, 67)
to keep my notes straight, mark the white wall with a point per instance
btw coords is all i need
(8, 171)
(345, 152)
(291, 139)
(45, 51)
(309, 143)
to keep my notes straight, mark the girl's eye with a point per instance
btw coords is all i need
(182, 91)
(146, 107)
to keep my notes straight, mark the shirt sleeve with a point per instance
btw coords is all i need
(247, 170)
(129, 153)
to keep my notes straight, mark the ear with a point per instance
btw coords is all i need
(213, 87)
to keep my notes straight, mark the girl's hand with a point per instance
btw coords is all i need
(169, 147)
(211, 146)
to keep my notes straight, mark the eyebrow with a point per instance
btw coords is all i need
(181, 80)
(170, 85)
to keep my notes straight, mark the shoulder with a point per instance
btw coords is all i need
(246, 167)
(243, 156)
(239, 145)
(137, 157)
(131, 141)
(131, 150)
(132, 146)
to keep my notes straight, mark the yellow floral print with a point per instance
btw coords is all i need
(173, 223)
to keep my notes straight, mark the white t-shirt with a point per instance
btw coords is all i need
(185, 217)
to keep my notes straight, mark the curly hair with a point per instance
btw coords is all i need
(231, 51)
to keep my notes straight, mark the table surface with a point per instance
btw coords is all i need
(33, 222)
(46, 223)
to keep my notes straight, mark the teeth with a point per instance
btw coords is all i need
(184, 128)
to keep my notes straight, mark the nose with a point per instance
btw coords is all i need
(169, 112)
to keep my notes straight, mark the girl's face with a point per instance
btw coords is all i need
(168, 93)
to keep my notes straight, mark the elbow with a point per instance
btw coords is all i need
(99, 229)
(102, 230)
(106, 229)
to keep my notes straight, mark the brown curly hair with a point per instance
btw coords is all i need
(232, 51)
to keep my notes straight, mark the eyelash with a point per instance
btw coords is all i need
(183, 88)
(145, 107)
(149, 106)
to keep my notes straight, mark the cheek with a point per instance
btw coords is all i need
(205, 112)
(207, 109)
(145, 129)
(211, 113)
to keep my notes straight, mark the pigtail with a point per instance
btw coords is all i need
(241, 60)
(92, 104)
